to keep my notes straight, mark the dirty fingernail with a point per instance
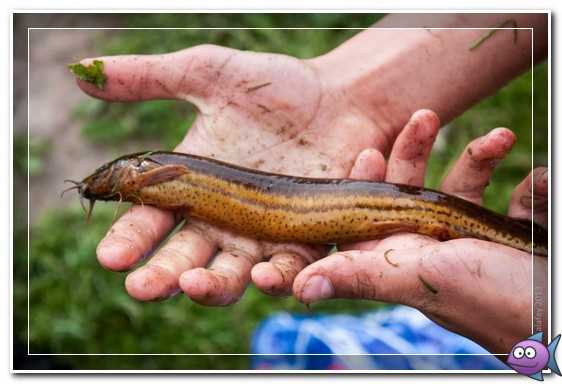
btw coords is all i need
(317, 288)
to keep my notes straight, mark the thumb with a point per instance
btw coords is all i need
(175, 75)
(384, 275)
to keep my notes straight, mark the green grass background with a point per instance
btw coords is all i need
(77, 307)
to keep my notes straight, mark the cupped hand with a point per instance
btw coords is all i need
(264, 111)
(479, 289)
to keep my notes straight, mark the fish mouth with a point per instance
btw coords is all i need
(525, 366)
(82, 188)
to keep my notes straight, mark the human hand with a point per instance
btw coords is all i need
(265, 111)
(479, 289)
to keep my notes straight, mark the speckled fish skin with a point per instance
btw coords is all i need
(295, 209)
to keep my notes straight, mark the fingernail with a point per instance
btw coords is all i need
(317, 288)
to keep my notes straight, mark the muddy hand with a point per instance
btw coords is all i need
(264, 111)
(466, 285)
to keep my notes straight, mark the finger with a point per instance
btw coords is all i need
(370, 275)
(369, 165)
(158, 279)
(395, 242)
(405, 241)
(190, 71)
(408, 158)
(410, 276)
(471, 173)
(525, 202)
(225, 280)
(133, 236)
(275, 277)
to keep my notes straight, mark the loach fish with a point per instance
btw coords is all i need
(285, 208)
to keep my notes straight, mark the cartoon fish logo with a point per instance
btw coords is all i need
(529, 357)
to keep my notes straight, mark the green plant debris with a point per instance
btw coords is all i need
(490, 33)
(92, 73)
(255, 88)
(428, 286)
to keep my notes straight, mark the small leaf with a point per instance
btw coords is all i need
(92, 73)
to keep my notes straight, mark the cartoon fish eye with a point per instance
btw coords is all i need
(530, 352)
(518, 352)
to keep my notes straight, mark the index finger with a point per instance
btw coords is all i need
(166, 76)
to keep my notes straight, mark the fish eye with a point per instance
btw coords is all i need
(518, 352)
(530, 352)
(144, 165)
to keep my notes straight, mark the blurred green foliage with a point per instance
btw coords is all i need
(77, 307)
(162, 123)
(303, 43)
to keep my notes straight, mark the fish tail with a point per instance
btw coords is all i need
(552, 355)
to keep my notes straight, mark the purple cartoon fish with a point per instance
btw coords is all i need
(529, 357)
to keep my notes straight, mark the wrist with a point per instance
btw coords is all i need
(388, 74)
(364, 88)
(380, 84)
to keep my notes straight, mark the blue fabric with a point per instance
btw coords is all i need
(400, 331)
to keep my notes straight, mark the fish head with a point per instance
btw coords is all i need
(118, 178)
(528, 357)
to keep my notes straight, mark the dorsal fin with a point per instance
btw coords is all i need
(537, 337)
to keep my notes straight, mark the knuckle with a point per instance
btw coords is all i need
(137, 229)
(174, 257)
(362, 286)
(288, 267)
(230, 285)
(249, 258)
(202, 229)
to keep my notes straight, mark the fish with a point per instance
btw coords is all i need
(529, 357)
(284, 208)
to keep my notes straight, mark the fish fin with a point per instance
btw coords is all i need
(537, 337)
(162, 174)
(552, 355)
(537, 376)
